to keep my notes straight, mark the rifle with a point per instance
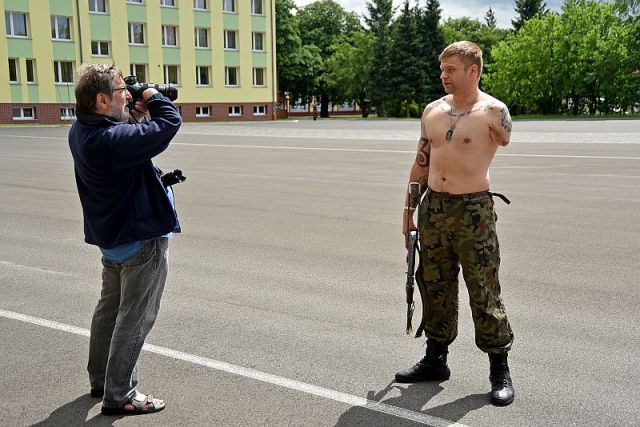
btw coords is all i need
(412, 240)
(409, 288)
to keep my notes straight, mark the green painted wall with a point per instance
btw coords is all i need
(101, 28)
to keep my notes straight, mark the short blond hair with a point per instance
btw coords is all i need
(469, 53)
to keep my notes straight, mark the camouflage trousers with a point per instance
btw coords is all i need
(460, 231)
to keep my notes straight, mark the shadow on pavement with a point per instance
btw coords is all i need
(75, 413)
(413, 398)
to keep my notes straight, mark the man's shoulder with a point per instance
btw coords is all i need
(490, 104)
(441, 104)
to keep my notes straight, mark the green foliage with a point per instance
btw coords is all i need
(480, 33)
(528, 9)
(490, 18)
(583, 60)
(379, 23)
(348, 69)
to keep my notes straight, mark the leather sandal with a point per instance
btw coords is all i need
(141, 405)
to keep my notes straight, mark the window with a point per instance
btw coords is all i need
(24, 113)
(98, 6)
(67, 113)
(235, 110)
(60, 28)
(168, 3)
(13, 70)
(31, 70)
(257, 41)
(136, 33)
(63, 71)
(200, 4)
(99, 48)
(135, 1)
(229, 5)
(171, 74)
(230, 39)
(202, 76)
(16, 24)
(202, 37)
(259, 77)
(169, 35)
(204, 111)
(259, 110)
(140, 71)
(256, 7)
(231, 76)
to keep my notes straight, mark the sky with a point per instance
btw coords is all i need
(503, 9)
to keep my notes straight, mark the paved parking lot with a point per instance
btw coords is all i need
(285, 298)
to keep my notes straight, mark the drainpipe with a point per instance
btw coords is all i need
(79, 31)
(274, 78)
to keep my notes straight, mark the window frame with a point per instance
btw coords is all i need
(258, 113)
(9, 17)
(201, 111)
(132, 35)
(30, 68)
(55, 28)
(199, 75)
(162, 4)
(166, 33)
(64, 113)
(133, 70)
(99, 44)
(227, 76)
(253, 3)
(22, 116)
(197, 38)
(264, 76)
(235, 110)
(57, 69)
(165, 73)
(253, 41)
(227, 39)
(206, 5)
(234, 6)
(15, 70)
(95, 3)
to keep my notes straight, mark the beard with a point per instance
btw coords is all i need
(120, 114)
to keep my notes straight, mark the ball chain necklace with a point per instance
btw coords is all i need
(452, 126)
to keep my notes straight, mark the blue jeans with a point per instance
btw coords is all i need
(124, 316)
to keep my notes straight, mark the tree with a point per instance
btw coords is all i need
(527, 9)
(490, 18)
(321, 24)
(474, 30)
(348, 69)
(379, 25)
(297, 65)
(406, 74)
(586, 61)
(431, 44)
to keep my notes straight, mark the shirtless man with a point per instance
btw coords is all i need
(460, 134)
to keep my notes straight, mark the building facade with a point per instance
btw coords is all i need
(219, 53)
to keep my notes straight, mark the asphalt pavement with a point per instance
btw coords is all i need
(285, 298)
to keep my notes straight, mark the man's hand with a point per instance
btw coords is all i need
(408, 224)
(139, 111)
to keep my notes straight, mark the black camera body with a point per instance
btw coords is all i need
(172, 178)
(135, 89)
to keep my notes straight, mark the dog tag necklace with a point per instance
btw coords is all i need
(452, 127)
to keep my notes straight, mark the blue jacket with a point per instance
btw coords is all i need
(122, 198)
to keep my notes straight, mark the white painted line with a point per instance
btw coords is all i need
(326, 393)
(356, 150)
(365, 150)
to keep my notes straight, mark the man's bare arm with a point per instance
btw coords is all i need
(500, 128)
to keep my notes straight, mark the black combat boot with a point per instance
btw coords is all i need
(501, 386)
(432, 367)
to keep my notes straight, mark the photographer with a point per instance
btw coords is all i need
(130, 216)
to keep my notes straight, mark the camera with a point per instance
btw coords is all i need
(135, 89)
(171, 178)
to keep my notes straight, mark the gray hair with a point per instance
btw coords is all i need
(92, 80)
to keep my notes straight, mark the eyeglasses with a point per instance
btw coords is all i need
(118, 88)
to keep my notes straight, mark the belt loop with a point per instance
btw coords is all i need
(466, 198)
